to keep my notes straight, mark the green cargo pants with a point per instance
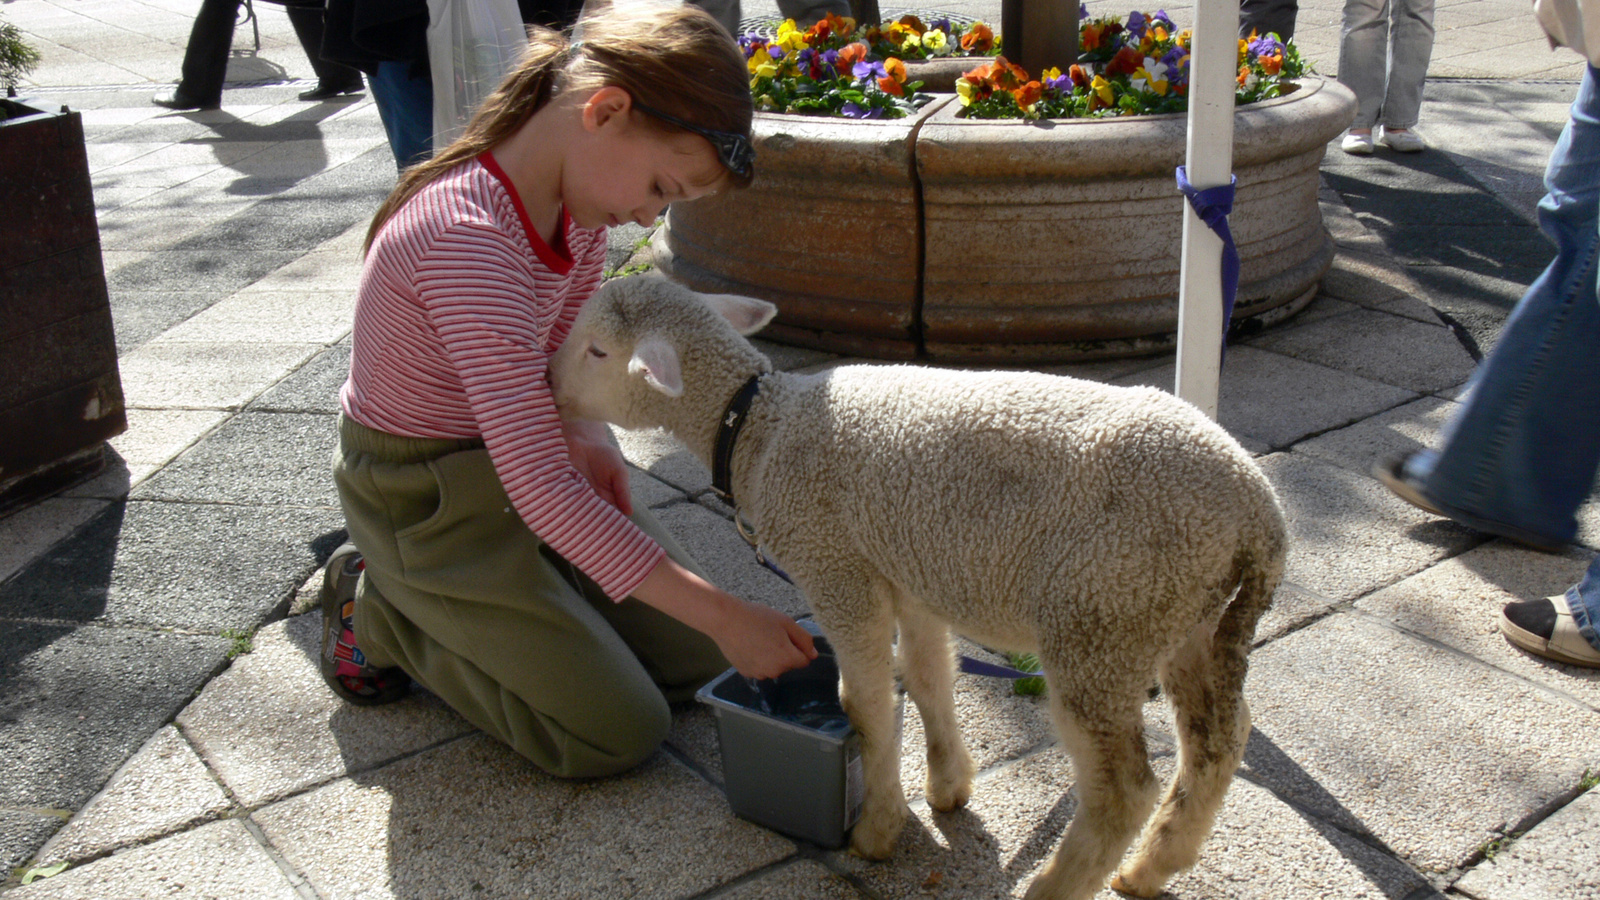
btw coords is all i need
(460, 594)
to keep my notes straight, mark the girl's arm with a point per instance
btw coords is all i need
(598, 460)
(759, 641)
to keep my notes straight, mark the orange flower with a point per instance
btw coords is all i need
(1273, 64)
(1092, 33)
(896, 68)
(912, 23)
(978, 39)
(890, 86)
(1028, 94)
(1079, 76)
(849, 55)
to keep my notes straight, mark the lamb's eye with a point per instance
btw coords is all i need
(596, 352)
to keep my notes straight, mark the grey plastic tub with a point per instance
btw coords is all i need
(790, 760)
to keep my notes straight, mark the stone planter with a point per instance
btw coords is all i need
(60, 392)
(1005, 241)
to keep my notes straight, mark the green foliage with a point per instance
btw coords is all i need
(34, 874)
(1026, 662)
(241, 642)
(17, 56)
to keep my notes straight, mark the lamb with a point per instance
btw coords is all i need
(1116, 532)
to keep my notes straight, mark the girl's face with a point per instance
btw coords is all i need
(628, 171)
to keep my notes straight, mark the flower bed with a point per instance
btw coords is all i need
(907, 227)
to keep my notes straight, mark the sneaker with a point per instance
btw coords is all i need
(1392, 474)
(177, 99)
(1546, 628)
(1404, 140)
(1357, 144)
(344, 666)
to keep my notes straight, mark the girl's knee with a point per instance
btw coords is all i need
(610, 747)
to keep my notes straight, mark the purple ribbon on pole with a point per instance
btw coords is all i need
(1213, 205)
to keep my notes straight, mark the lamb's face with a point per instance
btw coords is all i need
(589, 372)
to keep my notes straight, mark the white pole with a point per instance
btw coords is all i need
(1213, 70)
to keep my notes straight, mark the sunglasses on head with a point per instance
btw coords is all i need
(733, 149)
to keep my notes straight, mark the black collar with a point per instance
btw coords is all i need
(728, 432)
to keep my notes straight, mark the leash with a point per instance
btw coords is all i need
(732, 422)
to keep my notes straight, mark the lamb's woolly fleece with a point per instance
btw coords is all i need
(1103, 527)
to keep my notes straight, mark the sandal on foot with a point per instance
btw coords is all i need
(344, 666)
(1546, 628)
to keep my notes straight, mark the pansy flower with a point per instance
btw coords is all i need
(935, 42)
(894, 78)
(854, 110)
(978, 39)
(1126, 62)
(849, 55)
(869, 68)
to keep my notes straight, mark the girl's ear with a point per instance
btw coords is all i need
(748, 315)
(658, 362)
(606, 104)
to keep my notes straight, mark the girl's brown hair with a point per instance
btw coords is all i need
(674, 59)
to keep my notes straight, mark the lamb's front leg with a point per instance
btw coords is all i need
(928, 668)
(860, 625)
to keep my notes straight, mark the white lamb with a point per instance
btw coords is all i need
(1106, 529)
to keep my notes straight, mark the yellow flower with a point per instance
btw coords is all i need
(1052, 72)
(1244, 50)
(768, 69)
(788, 27)
(1102, 88)
(935, 40)
(912, 41)
(965, 90)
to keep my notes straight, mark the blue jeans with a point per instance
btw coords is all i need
(405, 104)
(1520, 456)
(1384, 47)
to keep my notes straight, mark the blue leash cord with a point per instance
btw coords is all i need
(1213, 205)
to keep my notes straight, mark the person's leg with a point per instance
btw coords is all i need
(333, 78)
(1410, 49)
(462, 596)
(1268, 17)
(1583, 600)
(205, 57)
(806, 13)
(1521, 454)
(726, 12)
(405, 104)
(1362, 42)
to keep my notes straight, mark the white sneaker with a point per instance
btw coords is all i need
(1404, 140)
(1358, 144)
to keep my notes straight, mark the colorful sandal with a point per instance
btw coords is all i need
(344, 666)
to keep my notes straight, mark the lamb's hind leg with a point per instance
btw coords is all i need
(862, 633)
(1213, 725)
(928, 667)
(1102, 730)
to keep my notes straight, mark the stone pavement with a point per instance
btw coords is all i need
(163, 729)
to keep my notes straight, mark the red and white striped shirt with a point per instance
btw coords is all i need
(460, 305)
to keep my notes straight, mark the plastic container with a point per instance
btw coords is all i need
(790, 760)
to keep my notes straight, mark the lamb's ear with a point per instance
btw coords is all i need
(747, 314)
(657, 359)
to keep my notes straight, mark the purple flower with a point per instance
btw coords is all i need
(856, 111)
(940, 25)
(1176, 59)
(830, 58)
(775, 52)
(869, 68)
(1136, 24)
(1083, 12)
(1165, 21)
(1266, 45)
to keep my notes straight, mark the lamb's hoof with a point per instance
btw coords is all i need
(874, 836)
(1123, 886)
(949, 799)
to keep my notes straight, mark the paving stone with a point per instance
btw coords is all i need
(1292, 606)
(28, 532)
(269, 726)
(21, 833)
(1556, 860)
(474, 819)
(138, 317)
(213, 268)
(799, 880)
(1429, 752)
(206, 375)
(650, 492)
(1379, 346)
(1367, 279)
(1458, 603)
(1404, 429)
(75, 703)
(728, 560)
(665, 458)
(162, 789)
(314, 387)
(182, 867)
(1268, 397)
(272, 317)
(256, 459)
(161, 565)
(1348, 535)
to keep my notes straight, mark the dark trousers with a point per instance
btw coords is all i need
(205, 59)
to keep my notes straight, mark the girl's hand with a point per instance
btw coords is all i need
(761, 642)
(598, 460)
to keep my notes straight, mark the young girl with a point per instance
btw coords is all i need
(504, 566)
